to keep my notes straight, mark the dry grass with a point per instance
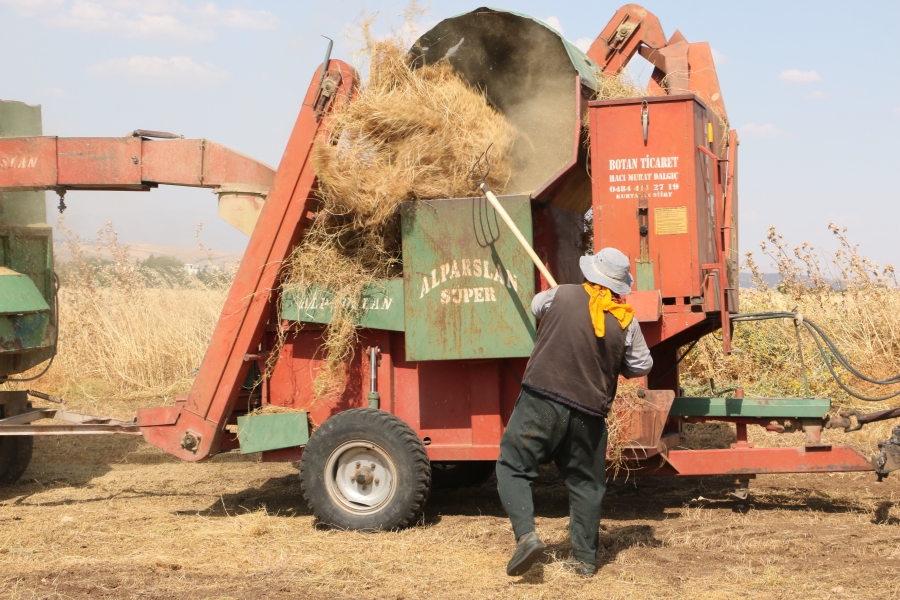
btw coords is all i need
(113, 517)
(126, 333)
(856, 301)
(410, 134)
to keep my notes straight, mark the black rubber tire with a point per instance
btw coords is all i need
(15, 454)
(462, 474)
(397, 440)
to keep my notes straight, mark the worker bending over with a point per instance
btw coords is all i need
(587, 338)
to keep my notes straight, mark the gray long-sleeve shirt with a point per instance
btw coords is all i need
(637, 361)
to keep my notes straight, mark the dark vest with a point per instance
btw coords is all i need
(570, 364)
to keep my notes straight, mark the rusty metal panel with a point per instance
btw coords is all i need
(100, 162)
(222, 165)
(197, 431)
(647, 305)
(746, 461)
(665, 174)
(643, 425)
(27, 163)
(468, 284)
(176, 162)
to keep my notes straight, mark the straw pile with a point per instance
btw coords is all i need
(410, 134)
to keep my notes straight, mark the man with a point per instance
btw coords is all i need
(586, 339)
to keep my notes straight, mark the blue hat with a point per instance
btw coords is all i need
(609, 268)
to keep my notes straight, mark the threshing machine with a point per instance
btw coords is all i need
(441, 350)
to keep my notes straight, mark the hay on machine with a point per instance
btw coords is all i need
(412, 133)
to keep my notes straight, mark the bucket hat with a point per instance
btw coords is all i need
(609, 268)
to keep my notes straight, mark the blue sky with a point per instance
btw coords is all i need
(809, 88)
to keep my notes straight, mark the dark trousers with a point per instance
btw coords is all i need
(539, 431)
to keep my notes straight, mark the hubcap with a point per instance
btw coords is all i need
(361, 477)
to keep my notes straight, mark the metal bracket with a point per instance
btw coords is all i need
(888, 458)
(190, 441)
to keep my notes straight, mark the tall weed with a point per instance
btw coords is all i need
(855, 300)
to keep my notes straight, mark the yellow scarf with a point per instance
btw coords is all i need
(602, 301)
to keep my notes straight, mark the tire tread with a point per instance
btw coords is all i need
(396, 428)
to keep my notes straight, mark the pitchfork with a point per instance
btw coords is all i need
(477, 180)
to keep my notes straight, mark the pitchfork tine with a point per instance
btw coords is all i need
(478, 175)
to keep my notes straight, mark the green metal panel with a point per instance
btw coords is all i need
(645, 277)
(18, 119)
(751, 407)
(27, 338)
(258, 433)
(380, 305)
(468, 283)
(18, 294)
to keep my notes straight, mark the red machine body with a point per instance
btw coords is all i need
(663, 190)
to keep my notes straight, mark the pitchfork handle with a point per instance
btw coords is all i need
(509, 222)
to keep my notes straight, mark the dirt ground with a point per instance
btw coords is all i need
(115, 518)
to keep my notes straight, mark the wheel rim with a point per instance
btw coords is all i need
(361, 477)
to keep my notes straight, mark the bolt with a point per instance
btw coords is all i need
(357, 465)
(373, 465)
(377, 481)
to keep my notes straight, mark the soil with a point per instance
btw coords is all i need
(112, 517)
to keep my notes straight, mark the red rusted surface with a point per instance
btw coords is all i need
(677, 182)
(125, 163)
(99, 162)
(748, 460)
(249, 305)
(177, 162)
(460, 408)
(222, 166)
(631, 27)
(27, 163)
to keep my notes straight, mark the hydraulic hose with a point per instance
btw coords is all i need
(819, 336)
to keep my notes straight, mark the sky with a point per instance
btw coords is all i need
(809, 90)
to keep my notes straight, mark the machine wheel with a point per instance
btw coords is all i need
(365, 469)
(469, 473)
(15, 454)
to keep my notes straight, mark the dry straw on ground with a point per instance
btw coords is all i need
(410, 134)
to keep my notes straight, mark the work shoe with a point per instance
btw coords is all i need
(529, 548)
(586, 570)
